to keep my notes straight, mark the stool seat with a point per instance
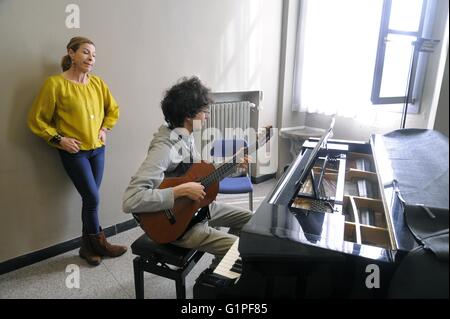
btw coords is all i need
(157, 258)
(164, 253)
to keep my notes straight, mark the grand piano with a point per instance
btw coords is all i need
(334, 224)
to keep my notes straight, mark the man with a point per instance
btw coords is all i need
(171, 153)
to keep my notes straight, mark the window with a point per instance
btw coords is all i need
(340, 44)
(399, 63)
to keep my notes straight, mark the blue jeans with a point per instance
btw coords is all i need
(85, 169)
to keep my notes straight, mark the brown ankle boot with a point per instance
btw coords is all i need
(87, 252)
(103, 248)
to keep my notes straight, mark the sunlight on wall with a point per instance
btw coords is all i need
(241, 49)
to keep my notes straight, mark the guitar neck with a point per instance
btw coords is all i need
(220, 173)
(228, 167)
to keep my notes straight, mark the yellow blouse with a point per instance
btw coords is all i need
(73, 110)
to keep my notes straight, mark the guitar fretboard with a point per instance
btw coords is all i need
(227, 168)
(221, 172)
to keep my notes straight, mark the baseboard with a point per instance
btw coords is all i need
(262, 178)
(60, 248)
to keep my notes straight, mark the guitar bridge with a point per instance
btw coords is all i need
(170, 216)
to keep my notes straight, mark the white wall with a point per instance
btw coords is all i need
(285, 117)
(143, 47)
(441, 118)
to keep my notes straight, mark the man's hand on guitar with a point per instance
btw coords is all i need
(243, 162)
(192, 190)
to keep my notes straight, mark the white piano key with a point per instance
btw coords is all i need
(228, 261)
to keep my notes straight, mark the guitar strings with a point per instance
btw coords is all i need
(228, 166)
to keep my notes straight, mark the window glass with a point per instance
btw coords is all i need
(397, 61)
(405, 15)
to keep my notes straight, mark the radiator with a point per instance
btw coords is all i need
(228, 120)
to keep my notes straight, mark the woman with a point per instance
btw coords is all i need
(73, 113)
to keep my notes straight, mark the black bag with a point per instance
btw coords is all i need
(423, 273)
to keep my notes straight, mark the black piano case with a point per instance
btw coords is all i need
(423, 273)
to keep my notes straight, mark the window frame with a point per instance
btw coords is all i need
(418, 61)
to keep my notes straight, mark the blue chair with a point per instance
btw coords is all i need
(235, 184)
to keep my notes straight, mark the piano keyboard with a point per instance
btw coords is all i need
(231, 264)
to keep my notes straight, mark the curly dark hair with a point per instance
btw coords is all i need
(184, 100)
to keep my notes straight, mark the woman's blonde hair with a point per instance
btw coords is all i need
(73, 44)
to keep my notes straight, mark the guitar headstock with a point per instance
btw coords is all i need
(264, 135)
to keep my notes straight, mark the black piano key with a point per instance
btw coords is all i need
(236, 269)
(237, 266)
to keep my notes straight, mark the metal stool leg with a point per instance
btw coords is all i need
(250, 199)
(138, 278)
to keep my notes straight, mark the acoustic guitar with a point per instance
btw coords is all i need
(167, 225)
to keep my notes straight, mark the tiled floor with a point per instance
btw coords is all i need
(113, 279)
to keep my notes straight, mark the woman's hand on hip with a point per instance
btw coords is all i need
(70, 145)
(102, 135)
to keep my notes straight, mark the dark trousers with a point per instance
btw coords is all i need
(85, 169)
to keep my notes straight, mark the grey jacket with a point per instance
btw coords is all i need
(167, 150)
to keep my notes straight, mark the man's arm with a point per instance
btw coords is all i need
(142, 194)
